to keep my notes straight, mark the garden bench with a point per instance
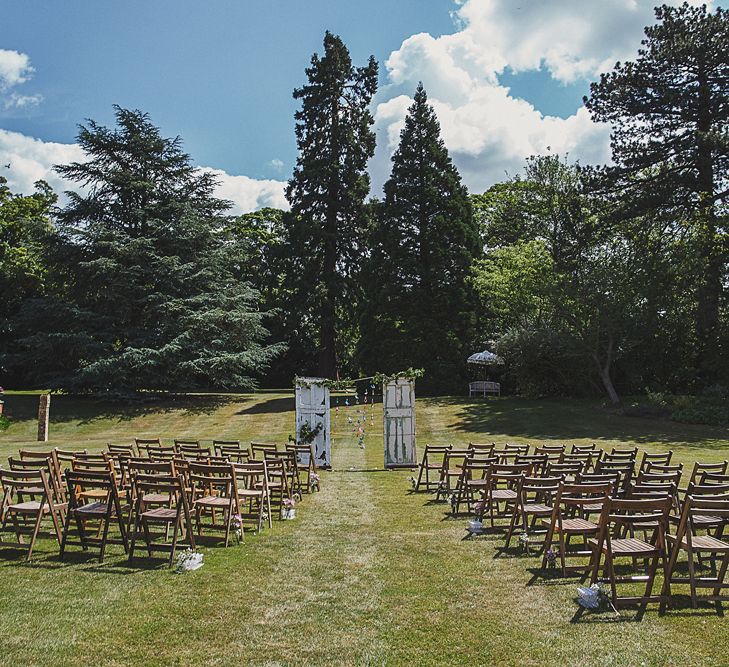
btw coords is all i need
(482, 387)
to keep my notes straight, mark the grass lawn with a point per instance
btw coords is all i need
(369, 573)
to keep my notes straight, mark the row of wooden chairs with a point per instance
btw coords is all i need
(73, 489)
(652, 521)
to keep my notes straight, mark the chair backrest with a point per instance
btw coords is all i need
(84, 465)
(701, 468)
(623, 468)
(92, 456)
(251, 473)
(612, 479)
(706, 489)
(114, 448)
(585, 458)
(553, 452)
(259, 448)
(160, 453)
(565, 470)
(617, 457)
(517, 449)
(630, 512)
(713, 478)
(663, 469)
(484, 448)
(203, 477)
(542, 489)
(143, 443)
(582, 449)
(193, 451)
(538, 462)
(181, 442)
(477, 467)
(141, 466)
(663, 489)
(47, 466)
(455, 457)
(617, 451)
(571, 496)
(659, 478)
(232, 450)
(710, 510)
(662, 459)
(508, 473)
(56, 475)
(65, 457)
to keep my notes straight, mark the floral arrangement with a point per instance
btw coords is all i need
(595, 598)
(524, 541)
(188, 561)
(237, 523)
(314, 480)
(307, 435)
(479, 507)
(413, 482)
(453, 500)
(288, 510)
(551, 556)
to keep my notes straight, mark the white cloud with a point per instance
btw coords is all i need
(15, 68)
(276, 164)
(249, 194)
(22, 101)
(488, 131)
(32, 160)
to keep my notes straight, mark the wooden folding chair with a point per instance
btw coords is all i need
(143, 443)
(178, 442)
(616, 454)
(232, 450)
(701, 468)
(538, 462)
(553, 453)
(585, 449)
(568, 521)
(194, 452)
(80, 485)
(160, 453)
(509, 452)
(662, 459)
(432, 461)
(290, 468)
(57, 499)
(27, 498)
(254, 500)
(569, 472)
(306, 464)
(472, 482)
(214, 488)
(129, 449)
(175, 514)
(451, 469)
(586, 459)
(623, 468)
(618, 517)
(534, 501)
(501, 488)
(258, 449)
(482, 448)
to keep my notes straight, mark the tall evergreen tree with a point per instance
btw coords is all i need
(328, 189)
(670, 146)
(420, 309)
(145, 296)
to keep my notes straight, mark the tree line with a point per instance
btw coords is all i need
(583, 278)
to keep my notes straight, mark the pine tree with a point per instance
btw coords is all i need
(420, 309)
(328, 189)
(670, 145)
(145, 296)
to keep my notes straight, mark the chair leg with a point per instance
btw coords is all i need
(692, 576)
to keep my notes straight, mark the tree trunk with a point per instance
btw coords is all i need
(603, 371)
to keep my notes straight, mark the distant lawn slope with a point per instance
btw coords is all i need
(369, 573)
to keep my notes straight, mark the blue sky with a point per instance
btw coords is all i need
(506, 77)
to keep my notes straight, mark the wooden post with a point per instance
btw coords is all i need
(44, 408)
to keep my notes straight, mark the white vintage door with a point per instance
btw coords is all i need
(312, 407)
(399, 423)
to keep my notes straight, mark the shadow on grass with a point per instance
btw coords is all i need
(86, 410)
(270, 406)
(554, 419)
